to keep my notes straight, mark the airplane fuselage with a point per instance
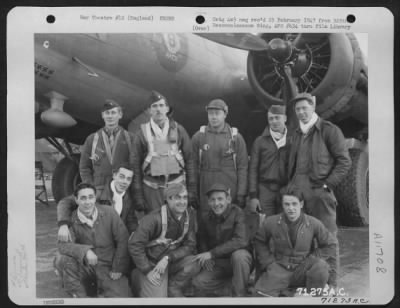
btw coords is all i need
(187, 69)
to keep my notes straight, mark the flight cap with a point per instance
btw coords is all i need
(217, 104)
(155, 97)
(218, 187)
(277, 109)
(303, 96)
(110, 104)
(173, 190)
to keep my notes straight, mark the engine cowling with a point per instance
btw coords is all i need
(329, 66)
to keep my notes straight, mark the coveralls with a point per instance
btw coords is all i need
(219, 153)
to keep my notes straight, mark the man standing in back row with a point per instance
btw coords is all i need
(220, 156)
(268, 163)
(105, 149)
(162, 155)
(318, 161)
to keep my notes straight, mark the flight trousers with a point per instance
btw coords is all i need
(321, 204)
(176, 277)
(80, 280)
(237, 268)
(313, 273)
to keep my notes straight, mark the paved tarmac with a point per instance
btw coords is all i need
(353, 273)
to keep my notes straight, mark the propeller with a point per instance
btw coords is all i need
(278, 49)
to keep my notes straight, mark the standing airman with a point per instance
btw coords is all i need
(162, 155)
(220, 156)
(268, 163)
(318, 161)
(105, 149)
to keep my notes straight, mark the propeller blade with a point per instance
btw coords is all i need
(303, 38)
(246, 41)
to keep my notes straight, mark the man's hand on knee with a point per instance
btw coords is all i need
(154, 278)
(161, 265)
(63, 234)
(203, 257)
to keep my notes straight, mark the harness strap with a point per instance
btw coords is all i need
(94, 146)
(146, 129)
(110, 152)
(185, 230)
(164, 221)
(155, 185)
(164, 226)
(234, 133)
(203, 132)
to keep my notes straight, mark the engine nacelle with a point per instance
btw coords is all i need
(329, 66)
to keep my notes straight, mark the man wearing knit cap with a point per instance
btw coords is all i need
(162, 247)
(105, 149)
(162, 155)
(318, 161)
(268, 163)
(220, 156)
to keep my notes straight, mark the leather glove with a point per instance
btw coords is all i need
(241, 201)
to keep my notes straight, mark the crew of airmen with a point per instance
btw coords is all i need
(160, 215)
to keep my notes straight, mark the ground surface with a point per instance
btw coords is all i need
(354, 257)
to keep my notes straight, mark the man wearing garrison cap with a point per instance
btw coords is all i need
(163, 246)
(162, 155)
(220, 156)
(268, 163)
(318, 161)
(105, 149)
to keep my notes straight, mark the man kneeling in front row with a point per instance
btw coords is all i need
(296, 263)
(163, 246)
(97, 254)
(223, 244)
